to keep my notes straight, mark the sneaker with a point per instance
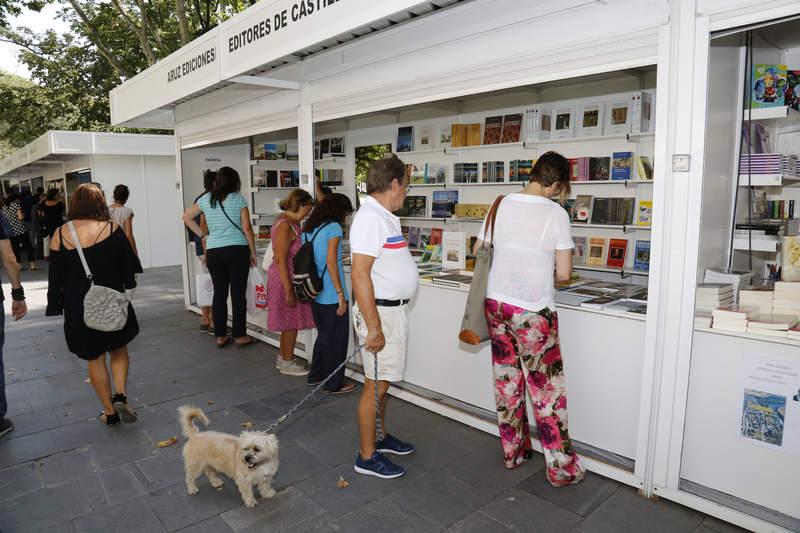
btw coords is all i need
(292, 368)
(379, 466)
(391, 444)
(6, 425)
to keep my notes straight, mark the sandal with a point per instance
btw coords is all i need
(248, 342)
(224, 343)
(344, 389)
(110, 420)
(124, 413)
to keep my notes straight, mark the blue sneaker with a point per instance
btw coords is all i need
(379, 466)
(391, 444)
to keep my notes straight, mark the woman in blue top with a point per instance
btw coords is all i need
(230, 251)
(324, 228)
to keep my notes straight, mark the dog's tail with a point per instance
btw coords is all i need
(186, 416)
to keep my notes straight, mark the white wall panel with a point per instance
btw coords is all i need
(165, 224)
(134, 144)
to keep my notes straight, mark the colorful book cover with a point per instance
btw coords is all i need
(436, 235)
(641, 256)
(444, 203)
(569, 206)
(583, 208)
(769, 85)
(286, 178)
(621, 165)
(792, 95)
(579, 252)
(473, 134)
(493, 130)
(258, 152)
(597, 251)
(405, 139)
(416, 173)
(465, 173)
(512, 126)
(424, 238)
(413, 237)
(645, 213)
(435, 173)
(274, 151)
(616, 252)
(520, 170)
(599, 168)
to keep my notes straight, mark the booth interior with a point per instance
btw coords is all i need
(460, 154)
(741, 438)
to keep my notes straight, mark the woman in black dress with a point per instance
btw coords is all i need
(113, 264)
(52, 212)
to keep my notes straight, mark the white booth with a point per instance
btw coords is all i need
(145, 163)
(281, 94)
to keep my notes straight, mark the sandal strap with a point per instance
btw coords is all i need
(119, 398)
(111, 420)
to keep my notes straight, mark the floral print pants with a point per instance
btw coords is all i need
(526, 354)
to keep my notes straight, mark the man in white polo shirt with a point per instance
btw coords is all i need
(384, 277)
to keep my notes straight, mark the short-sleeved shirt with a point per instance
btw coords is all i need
(528, 230)
(120, 214)
(18, 227)
(376, 232)
(321, 236)
(221, 231)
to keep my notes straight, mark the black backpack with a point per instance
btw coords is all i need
(306, 281)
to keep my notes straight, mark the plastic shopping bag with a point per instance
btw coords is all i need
(256, 291)
(204, 290)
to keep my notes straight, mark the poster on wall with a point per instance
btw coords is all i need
(770, 404)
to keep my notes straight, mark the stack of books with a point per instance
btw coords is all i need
(732, 318)
(711, 296)
(759, 298)
(771, 163)
(786, 298)
(771, 325)
(739, 279)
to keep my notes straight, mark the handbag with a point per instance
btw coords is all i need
(474, 329)
(204, 289)
(104, 308)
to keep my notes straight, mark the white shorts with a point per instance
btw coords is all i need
(392, 359)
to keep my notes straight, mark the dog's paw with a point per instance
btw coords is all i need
(217, 483)
(192, 490)
(250, 503)
(268, 493)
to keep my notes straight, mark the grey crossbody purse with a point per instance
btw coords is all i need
(104, 309)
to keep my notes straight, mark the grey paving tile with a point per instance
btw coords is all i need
(211, 525)
(177, 509)
(627, 511)
(521, 511)
(27, 513)
(161, 469)
(121, 448)
(131, 517)
(296, 464)
(29, 423)
(405, 418)
(719, 526)
(303, 426)
(120, 485)
(441, 498)
(321, 523)
(484, 469)
(27, 448)
(478, 522)
(64, 466)
(286, 509)
(443, 444)
(332, 447)
(581, 499)
(19, 480)
(386, 514)
(261, 410)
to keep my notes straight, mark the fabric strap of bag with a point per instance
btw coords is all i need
(492, 219)
(230, 219)
(78, 247)
(316, 232)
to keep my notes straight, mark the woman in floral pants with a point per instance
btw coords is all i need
(531, 230)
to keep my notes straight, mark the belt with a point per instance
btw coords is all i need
(390, 303)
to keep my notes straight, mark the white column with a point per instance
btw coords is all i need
(305, 140)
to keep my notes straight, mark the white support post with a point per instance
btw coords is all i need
(305, 141)
(185, 276)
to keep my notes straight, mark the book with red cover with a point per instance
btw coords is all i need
(512, 125)
(616, 252)
(436, 236)
(492, 130)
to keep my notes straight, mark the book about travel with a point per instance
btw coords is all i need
(769, 85)
(621, 165)
(579, 252)
(597, 251)
(492, 132)
(599, 168)
(416, 173)
(413, 206)
(616, 252)
(405, 139)
(444, 203)
(583, 208)
(644, 215)
(641, 256)
(454, 250)
(792, 94)
(512, 128)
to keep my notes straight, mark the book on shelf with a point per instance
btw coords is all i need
(445, 136)
(601, 302)
(413, 206)
(493, 171)
(436, 235)
(512, 127)
(413, 237)
(768, 85)
(644, 216)
(542, 123)
(590, 120)
(458, 135)
(493, 130)
(579, 251)
(792, 95)
(563, 124)
(569, 207)
(641, 256)
(330, 177)
(473, 134)
(336, 147)
(597, 251)
(405, 139)
(274, 151)
(583, 208)
(324, 147)
(621, 165)
(472, 210)
(616, 252)
(289, 178)
(415, 173)
(613, 211)
(772, 321)
(617, 118)
(600, 211)
(465, 172)
(454, 250)
(430, 253)
(424, 237)
(258, 152)
(435, 173)
(444, 203)
(733, 312)
(644, 167)
(404, 230)
(426, 139)
(292, 151)
(599, 168)
(641, 111)
(520, 170)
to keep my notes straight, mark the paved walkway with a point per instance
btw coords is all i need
(62, 470)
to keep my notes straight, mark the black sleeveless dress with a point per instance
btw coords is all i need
(113, 264)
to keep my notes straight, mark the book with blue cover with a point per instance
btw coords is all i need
(444, 203)
(641, 256)
(621, 165)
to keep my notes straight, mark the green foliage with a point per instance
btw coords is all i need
(365, 156)
(11, 8)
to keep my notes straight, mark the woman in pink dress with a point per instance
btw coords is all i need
(286, 314)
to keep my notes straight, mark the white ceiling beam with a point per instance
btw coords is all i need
(271, 83)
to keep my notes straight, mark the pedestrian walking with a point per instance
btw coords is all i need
(12, 211)
(206, 320)
(123, 215)
(52, 212)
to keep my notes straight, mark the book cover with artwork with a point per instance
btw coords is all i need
(445, 136)
(597, 251)
(413, 206)
(258, 152)
(617, 118)
(492, 132)
(599, 168)
(563, 123)
(792, 95)
(494, 171)
(583, 208)
(465, 172)
(274, 151)
(601, 208)
(458, 135)
(426, 139)
(336, 146)
(292, 151)
(545, 124)
(520, 170)
(454, 250)
(769, 85)
(435, 173)
(645, 168)
(444, 203)
(641, 256)
(413, 237)
(416, 173)
(644, 215)
(579, 252)
(285, 178)
(616, 252)
(590, 120)
(436, 236)
(324, 147)
(621, 165)
(473, 134)
(424, 238)
(512, 128)
(405, 139)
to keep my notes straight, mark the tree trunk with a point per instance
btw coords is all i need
(94, 35)
(183, 23)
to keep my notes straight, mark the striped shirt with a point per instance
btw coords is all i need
(221, 231)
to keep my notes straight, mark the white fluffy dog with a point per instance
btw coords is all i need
(249, 459)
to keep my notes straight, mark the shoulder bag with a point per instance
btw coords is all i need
(104, 309)
(474, 329)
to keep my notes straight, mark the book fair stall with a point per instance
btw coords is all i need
(468, 96)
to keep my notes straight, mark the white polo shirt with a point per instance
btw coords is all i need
(376, 232)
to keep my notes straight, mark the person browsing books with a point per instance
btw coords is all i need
(384, 277)
(532, 230)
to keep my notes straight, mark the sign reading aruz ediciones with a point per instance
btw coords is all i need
(197, 62)
(279, 20)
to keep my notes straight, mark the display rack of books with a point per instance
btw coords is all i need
(274, 171)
